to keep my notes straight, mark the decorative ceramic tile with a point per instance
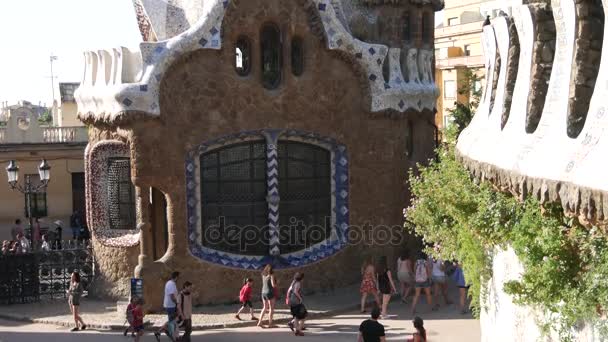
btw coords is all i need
(319, 251)
(99, 100)
(96, 182)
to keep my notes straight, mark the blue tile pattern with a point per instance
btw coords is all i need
(315, 253)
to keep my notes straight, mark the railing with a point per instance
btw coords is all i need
(43, 134)
(448, 31)
(64, 134)
(453, 62)
(30, 277)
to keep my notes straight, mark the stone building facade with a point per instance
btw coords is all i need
(238, 123)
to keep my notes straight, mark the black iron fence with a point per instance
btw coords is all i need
(30, 277)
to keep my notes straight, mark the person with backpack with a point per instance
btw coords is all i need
(422, 270)
(129, 317)
(440, 282)
(245, 299)
(296, 304)
(185, 308)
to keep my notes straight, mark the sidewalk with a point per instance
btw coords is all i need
(103, 315)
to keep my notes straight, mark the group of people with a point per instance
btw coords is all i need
(21, 243)
(371, 330)
(294, 298)
(422, 275)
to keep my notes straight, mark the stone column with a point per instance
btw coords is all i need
(144, 225)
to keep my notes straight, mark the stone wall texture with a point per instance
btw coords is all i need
(542, 57)
(203, 98)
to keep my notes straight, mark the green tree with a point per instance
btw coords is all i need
(462, 113)
(46, 118)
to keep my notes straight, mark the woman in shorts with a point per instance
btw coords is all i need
(268, 297)
(422, 274)
(74, 293)
(405, 274)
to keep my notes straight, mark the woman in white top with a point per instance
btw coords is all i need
(440, 282)
(405, 274)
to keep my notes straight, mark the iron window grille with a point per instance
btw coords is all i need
(121, 194)
(234, 189)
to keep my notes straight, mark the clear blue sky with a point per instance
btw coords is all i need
(30, 30)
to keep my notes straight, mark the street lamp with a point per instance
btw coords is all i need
(44, 171)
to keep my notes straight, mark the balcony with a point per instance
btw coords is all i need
(44, 135)
(455, 30)
(461, 61)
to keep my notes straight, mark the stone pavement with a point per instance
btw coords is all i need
(103, 314)
(447, 325)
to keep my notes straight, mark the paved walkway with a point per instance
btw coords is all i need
(103, 315)
(444, 326)
(335, 318)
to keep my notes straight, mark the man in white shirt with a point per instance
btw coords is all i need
(169, 303)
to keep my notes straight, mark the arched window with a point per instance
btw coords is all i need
(406, 22)
(271, 48)
(121, 194)
(305, 191)
(297, 56)
(242, 56)
(234, 192)
(233, 198)
(427, 27)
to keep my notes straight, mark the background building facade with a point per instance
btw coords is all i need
(27, 140)
(458, 48)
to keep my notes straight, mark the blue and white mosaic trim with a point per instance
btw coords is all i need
(120, 81)
(340, 210)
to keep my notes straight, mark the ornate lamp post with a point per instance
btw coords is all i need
(12, 171)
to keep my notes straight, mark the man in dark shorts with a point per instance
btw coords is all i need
(370, 330)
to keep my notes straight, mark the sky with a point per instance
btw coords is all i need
(33, 30)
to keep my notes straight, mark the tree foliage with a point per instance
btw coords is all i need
(565, 263)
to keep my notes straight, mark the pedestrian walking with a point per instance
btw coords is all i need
(420, 334)
(23, 243)
(368, 284)
(268, 297)
(295, 301)
(16, 230)
(74, 294)
(460, 281)
(185, 308)
(36, 234)
(138, 319)
(245, 299)
(423, 281)
(75, 224)
(170, 305)
(371, 330)
(58, 234)
(386, 286)
(440, 282)
(405, 275)
(46, 246)
(129, 317)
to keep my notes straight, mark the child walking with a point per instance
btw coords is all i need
(129, 316)
(245, 299)
(185, 305)
(138, 319)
